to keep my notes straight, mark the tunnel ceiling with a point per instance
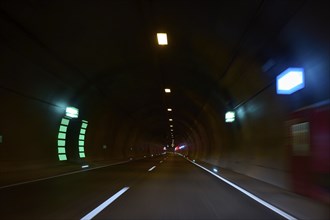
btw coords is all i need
(111, 46)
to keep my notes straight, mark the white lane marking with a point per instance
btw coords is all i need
(161, 161)
(60, 175)
(152, 168)
(98, 209)
(262, 202)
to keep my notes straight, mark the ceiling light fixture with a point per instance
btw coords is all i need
(162, 38)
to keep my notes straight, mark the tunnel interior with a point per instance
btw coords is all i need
(102, 57)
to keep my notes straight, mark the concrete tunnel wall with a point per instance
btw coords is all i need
(33, 102)
(257, 144)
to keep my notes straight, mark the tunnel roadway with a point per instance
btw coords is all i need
(161, 187)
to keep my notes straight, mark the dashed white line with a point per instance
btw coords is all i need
(152, 168)
(98, 209)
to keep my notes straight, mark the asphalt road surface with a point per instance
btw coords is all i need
(162, 187)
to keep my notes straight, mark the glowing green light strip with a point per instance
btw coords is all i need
(61, 139)
(63, 128)
(62, 157)
(61, 135)
(61, 150)
(82, 139)
(65, 121)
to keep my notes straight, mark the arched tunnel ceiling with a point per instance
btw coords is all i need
(111, 46)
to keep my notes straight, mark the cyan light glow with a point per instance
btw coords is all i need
(290, 81)
(72, 112)
(81, 137)
(83, 125)
(162, 38)
(81, 143)
(82, 155)
(82, 131)
(230, 117)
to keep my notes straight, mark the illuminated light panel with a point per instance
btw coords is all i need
(62, 157)
(167, 90)
(81, 143)
(61, 135)
(81, 137)
(171, 126)
(84, 125)
(230, 117)
(169, 109)
(81, 149)
(61, 143)
(61, 150)
(65, 121)
(63, 128)
(82, 155)
(162, 38)
(82, 131)
(170, 119)
(290, 81)
(72, 112)
(84, 166)
(215, 170)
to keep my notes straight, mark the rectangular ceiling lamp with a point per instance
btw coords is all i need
(230, 117)
(162, 38)
(72, 112)
(290, 81)
(167, 90)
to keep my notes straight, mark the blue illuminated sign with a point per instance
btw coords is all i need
(290, 81)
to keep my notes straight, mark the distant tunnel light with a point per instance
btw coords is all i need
(230, 117)
(167, 90)
(170, 119)
(162, 38)
(72, 112)
(169, 109)
(290, 81)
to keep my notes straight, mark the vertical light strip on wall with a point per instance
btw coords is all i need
(61, 139)
(82, 139)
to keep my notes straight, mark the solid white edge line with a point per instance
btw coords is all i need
(98, 209)
(152, 168)
(262, 202)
